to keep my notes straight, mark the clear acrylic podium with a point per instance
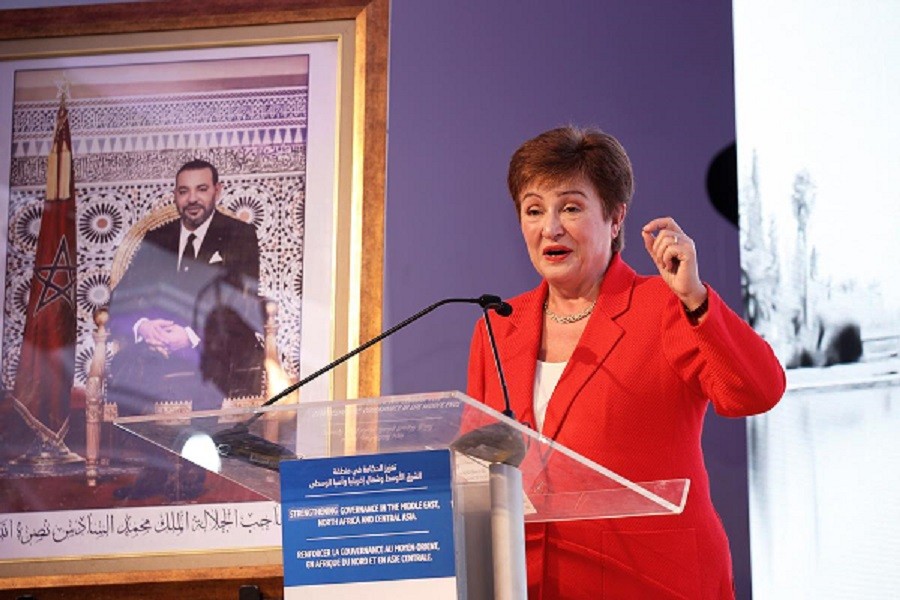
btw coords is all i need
(504, 473)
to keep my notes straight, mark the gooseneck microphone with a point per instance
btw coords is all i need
(234, 440)
(505, 310)
(497, 442)
(486, 301)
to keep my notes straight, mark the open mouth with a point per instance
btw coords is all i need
(556, 252)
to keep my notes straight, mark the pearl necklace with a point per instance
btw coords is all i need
(566, 319)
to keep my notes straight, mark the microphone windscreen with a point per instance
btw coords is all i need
(489, 300)
(504, 309)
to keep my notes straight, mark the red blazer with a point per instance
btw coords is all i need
(632, 398)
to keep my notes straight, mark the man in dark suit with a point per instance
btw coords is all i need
(187, 315)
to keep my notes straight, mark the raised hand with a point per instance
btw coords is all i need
(675, 256)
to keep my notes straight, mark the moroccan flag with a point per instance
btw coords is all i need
(46, 365)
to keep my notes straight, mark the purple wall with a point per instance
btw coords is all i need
(469, 81)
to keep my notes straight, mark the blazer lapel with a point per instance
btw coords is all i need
(600, 336)
(518, 341)
(213, 240)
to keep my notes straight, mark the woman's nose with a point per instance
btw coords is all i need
(552, 227)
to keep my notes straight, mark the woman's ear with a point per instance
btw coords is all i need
(618, 218)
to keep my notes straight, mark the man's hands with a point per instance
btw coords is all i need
(163, 336)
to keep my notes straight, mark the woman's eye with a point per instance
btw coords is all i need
(571, 208)
(532, 211)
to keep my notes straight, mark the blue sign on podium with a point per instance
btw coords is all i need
(373, 524)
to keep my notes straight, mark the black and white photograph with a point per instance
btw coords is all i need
(818, 137)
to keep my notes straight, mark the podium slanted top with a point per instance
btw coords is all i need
(245, 445)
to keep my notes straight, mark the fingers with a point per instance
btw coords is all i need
(666, 243)
(159, 349)
(160, 335)
(160, 322)
(670, 249)
(149, 332)
(675, 256)
(175, 338)
(661, 224)
(153, 328)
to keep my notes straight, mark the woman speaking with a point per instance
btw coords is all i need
(620, 368)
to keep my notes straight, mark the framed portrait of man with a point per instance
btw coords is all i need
(211, 254)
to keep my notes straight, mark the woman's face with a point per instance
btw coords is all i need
(569, 240)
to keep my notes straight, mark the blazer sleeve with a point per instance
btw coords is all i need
(723, 358)
(134, 297)
(239, 245)
(249, 244)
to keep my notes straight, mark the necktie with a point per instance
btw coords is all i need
(190, 253)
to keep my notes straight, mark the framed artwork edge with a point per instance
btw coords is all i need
(36, 33)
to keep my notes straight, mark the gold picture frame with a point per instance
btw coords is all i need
(361, 29)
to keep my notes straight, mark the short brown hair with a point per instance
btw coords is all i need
(570, 151)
